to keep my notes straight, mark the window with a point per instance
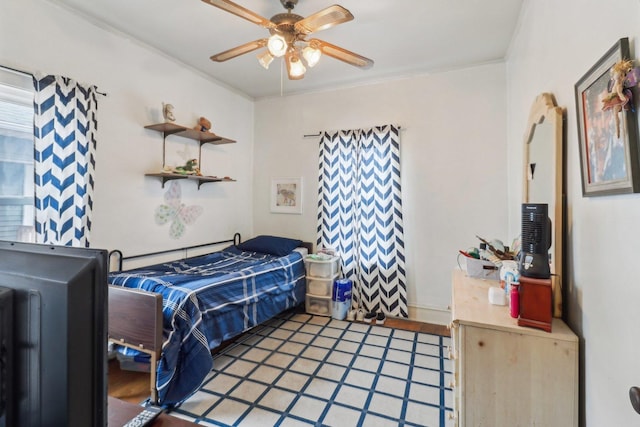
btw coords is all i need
(16, 156)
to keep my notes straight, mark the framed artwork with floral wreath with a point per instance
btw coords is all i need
(607, 124)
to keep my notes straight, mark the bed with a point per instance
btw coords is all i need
(177, 312)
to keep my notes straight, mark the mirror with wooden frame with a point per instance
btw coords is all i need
(544, 179)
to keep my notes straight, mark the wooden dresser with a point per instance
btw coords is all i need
(505, 375)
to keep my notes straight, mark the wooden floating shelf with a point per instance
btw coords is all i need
(169, 128)
(167, 176)
(185, 132)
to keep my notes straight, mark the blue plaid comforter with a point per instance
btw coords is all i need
(208, 299)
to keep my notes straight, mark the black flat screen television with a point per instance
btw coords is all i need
(53, 354)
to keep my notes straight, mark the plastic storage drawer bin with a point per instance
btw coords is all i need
(319, 305)
(134, 363)
(320, 287)
(321, 268)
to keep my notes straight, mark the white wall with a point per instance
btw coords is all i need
(555, 46)
(453, 155)
(38, 36)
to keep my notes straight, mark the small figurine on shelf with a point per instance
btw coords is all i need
(190, 168)
(203, 125)
(167, 112)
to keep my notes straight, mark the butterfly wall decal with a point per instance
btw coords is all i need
(176, 212)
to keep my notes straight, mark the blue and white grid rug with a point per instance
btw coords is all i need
(302, 370)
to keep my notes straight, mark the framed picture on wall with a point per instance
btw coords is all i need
(607, 126)
(286, 195)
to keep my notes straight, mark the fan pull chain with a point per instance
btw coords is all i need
(281, 77)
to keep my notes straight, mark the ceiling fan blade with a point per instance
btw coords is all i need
(239, 50)
(342, 54)
(242, 12)
(326, 18)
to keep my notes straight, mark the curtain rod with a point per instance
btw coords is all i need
(315, 135)
(15, 70)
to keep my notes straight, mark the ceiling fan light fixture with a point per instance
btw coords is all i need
(277, 45)
(296, 67)
(312, 55)
(265, 58)
(288, 38)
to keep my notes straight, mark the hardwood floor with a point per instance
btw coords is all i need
(133, 386)
(129, 386)
(412, 325)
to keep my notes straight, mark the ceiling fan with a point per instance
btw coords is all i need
(289, 37)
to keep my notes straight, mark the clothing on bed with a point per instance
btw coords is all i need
(208, 299)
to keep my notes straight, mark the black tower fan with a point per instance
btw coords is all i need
(536, 241)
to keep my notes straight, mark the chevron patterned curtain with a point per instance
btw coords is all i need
(360, 214)
(64, 128)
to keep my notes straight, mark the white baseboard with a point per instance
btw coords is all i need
(433, 315)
